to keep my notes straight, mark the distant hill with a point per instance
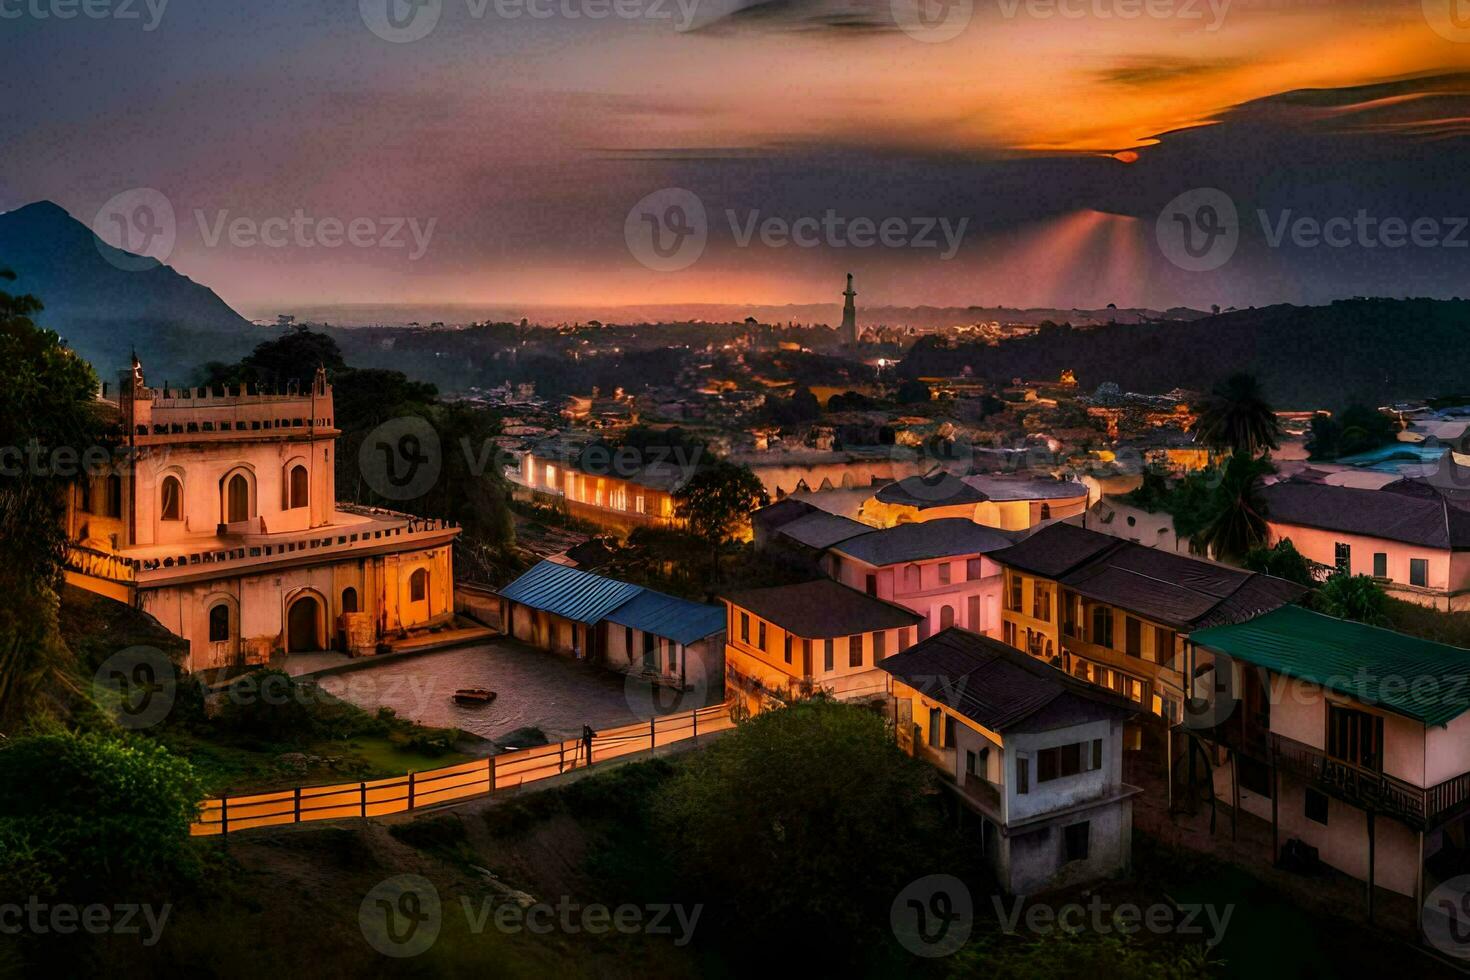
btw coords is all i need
(103, 311)
(1374, 350)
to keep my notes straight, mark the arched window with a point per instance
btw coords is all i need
(237, 499)
(219, 623)
(171, 500)
(113, 502)
(349, 599)
(300, 485)
(946, 617)
(418, 585)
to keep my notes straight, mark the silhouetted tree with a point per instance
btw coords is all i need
(1236, 417)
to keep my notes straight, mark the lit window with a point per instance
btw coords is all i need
(418, 585)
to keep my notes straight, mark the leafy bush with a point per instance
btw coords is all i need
(269, 705)
(84, 815)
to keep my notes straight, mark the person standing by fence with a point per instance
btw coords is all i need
(587, 735)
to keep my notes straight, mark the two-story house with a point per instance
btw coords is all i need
(1008, 502)
(1351, 739)
(789, 640)
(1114, 613)
(612, 488)
(1037, 754)
(1411, 535)
(219, 518)
(940, 569)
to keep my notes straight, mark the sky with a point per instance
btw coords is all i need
(1067, 153)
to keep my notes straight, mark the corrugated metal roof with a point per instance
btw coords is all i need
(1417, 678)
(664, 615)
(569, 592)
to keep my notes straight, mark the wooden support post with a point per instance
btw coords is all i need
(1419, 878)
(1370, 867)
(411, 789)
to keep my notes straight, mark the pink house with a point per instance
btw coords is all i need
(938, 569)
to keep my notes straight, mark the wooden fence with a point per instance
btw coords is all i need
(507, 771)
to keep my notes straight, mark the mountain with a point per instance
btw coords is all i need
(1306, 357)
(105, 310)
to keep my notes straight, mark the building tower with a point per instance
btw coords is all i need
(848, 334)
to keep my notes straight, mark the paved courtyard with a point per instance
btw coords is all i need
(553, 693)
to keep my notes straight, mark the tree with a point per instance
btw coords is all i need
(914, 392)
(1237, 521)
(1282, 561)
(1236, 417)
(831, 821)
(716, 503)
(294, 356)
(48, 424)
(1355, 597)
(1357, 429)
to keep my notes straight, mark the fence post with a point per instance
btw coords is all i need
(694, 717)
(362, 790)
(411, 775)
(652, 735)
(492, 774)
(224, 816)
(298, 804)
(561, 757)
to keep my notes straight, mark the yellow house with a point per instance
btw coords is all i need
(1010, 503)
(789, 640)
(1113, 612)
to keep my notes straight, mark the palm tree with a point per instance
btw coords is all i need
(1238, 523)
(1237, 417)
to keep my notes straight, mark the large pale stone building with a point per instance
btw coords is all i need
(220, 519)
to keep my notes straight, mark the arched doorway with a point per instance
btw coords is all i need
(303, 622)
(237, 499)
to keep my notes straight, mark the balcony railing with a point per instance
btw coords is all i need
(99, 564)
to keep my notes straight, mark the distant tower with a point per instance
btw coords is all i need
(849, 332)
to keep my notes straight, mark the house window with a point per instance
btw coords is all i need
(855, 650)
(1255, 775)
(1075, 840)
(1380, 564)
(946, 617)
(788, 648)
(880, 646)
(744, 627)
(969, 762)
(171, 502)
(1013, 595)
(1419, 572)
(827, 654)
(349, 600)
(674, 658)
(1343, 557)
(300, 487)
(628, 642)
(1041, 602)
(1316, 806)
(944, 573)
(760, 632)
(1008, 629)
(1102, 625)
(237, 499)
(806, 657)
(949, 738)
(1023, 775)
(974, 569)
(934, 721)
(1071, 608)
(1068, 760)
(912, 578)
(905, 638)
(1355, 737)
(870, 585)
(219, 623)
(972, 610)
(1164, 646)
(1132, 637)
(418, 585)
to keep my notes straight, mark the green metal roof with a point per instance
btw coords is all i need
(1420, 679)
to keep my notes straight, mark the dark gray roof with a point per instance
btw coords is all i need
(1410, 511)
(1175, 590)
(823, 608)
(936, 490)
(1000, 687)
(947, 536)
(822, 530)
(782, 512)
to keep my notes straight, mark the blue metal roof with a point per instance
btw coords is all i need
(569, 592)
(664, 615)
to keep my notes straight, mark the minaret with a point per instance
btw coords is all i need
(849, 332)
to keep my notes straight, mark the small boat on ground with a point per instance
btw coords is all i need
(473, 696)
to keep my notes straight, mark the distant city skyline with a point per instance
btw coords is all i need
(1046, 146)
